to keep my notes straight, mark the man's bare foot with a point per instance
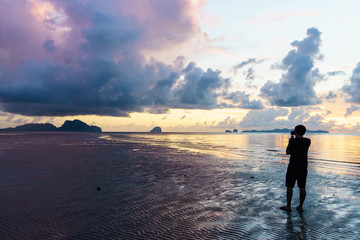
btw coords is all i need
(300, 209)
(286, 208)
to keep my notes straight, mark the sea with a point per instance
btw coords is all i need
(113, 185)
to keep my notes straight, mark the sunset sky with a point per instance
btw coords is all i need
(182, 65)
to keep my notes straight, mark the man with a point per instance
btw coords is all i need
(297, 169)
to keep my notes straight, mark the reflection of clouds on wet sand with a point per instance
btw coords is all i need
(170, 187)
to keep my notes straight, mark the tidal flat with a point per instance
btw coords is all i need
(173, 186)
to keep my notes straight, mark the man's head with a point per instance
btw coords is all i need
(300, 130)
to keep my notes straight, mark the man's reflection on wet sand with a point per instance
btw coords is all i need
(296, 227)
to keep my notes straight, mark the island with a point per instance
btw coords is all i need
(233, 131)
(156, 130)
(73, 126)
(284, 130)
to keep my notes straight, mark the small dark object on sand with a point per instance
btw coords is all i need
(98, 188)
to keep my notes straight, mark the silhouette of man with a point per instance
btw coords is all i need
(297, 169)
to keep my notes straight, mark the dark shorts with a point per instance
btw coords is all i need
(296, 175)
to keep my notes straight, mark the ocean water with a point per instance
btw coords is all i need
(336, 153)
(174, 186)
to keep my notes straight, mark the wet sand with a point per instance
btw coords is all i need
(81, 186)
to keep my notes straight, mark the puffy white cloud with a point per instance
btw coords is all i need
(353, 87)
(241, 99)
(265, 119)
(296, 86)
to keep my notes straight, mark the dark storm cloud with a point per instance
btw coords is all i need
(96, 65)
(353, 87)
(190, 88)
(296, 86)
(201, 88)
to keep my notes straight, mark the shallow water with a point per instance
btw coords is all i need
(173, 186)
(334, 153)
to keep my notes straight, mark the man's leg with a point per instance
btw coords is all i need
(290, 182)
(289, 194)
(302, 183)
(302, 198)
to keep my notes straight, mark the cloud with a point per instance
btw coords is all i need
(242, 100)
(247, 62)
(227, 123)
(298, 115)
(283, 118)
(272, 118)
(250, 74)
(250, 77)
(353, 88)
(265, 119)
(49, 45)
(321, 122)
(200, 88)
(335, 73)
(296, 86)
(331, 95)
(190, 88)
(88, 57)
(351, 109)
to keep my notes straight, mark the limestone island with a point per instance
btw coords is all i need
(229, 131)
(68, 126)
(156, 130)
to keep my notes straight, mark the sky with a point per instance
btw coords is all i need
(183, 65)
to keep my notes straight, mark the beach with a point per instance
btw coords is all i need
(173, 186)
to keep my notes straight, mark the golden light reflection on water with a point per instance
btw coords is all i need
(337, 153)
(328, 152)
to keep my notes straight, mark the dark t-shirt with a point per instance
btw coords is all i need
(298, 149)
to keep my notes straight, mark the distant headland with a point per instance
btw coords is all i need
(68, 126)
(284, 130)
